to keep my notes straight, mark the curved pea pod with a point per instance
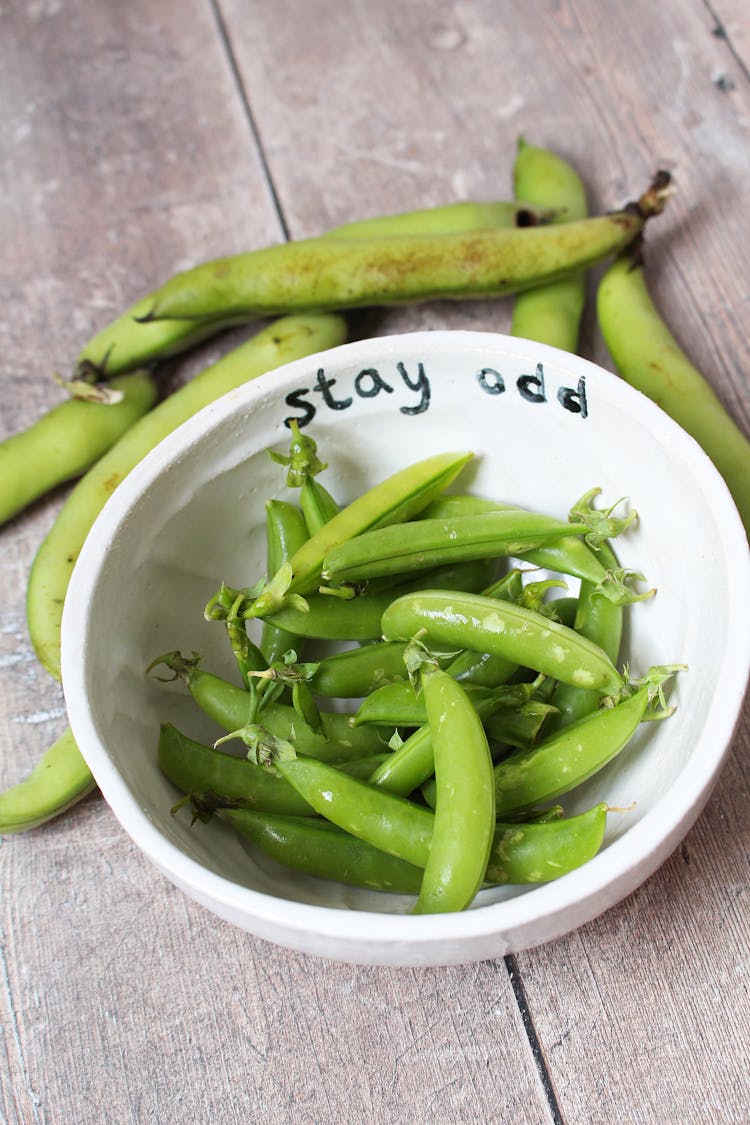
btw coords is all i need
(515, 632)
(601, 620)
(433, 542)
(67, 440)
(129, 342)
(332, 273)
(359, 671)
(568, 757)
(195, 768)
(399, 827)
(393, 500)
(544, 851)
(393, 824)
(59, 780)
(465, 797)
(318, 848)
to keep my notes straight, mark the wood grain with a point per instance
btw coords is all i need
(127, 151)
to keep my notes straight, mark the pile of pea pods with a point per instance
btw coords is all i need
(468, 697)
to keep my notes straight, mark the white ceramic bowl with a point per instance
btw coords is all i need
(192, 514)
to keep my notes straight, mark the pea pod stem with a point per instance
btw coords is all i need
(647, 355)
(326, 274)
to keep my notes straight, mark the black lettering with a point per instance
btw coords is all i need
(323, 384)
(297, 399)
(574, 401)
(422, 384)
(527, 383)
(378, 384)
(491, 381)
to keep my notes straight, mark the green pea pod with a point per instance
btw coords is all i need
(277, 344)
(359, 671)
(431, 542)
(67, 440)
(230, 708)
(59, 780)
(318, 848)
(393, 500)
(601, 620)
(567, 555)
(450, 218)
(646, 355)
(550, 314)
(519, 855)
(128, 342)
(465, 797)
(515, 632)
(286, 531)
(195, 768)
(544, 851)
(318, 506)
(320, 274)
(404, 829)
(568, 757)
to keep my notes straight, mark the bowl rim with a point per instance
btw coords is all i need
(585, 892)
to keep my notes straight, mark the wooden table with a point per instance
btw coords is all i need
(140, 138)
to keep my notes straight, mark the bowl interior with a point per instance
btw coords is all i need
(545, 428)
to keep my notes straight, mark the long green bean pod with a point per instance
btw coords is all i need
(550, 314)
(646, 355)
(67, 440)
(319, 274)
(128, 342)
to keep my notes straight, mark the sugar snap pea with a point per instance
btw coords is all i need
(230, 707)
(569, 756)
(286, 531)
(521, 854)
(465, 797)
(316, 847)
(359, 671)
(338, 274)
(520, 634)
(67, 440)
(431, 542)
(550, 314)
